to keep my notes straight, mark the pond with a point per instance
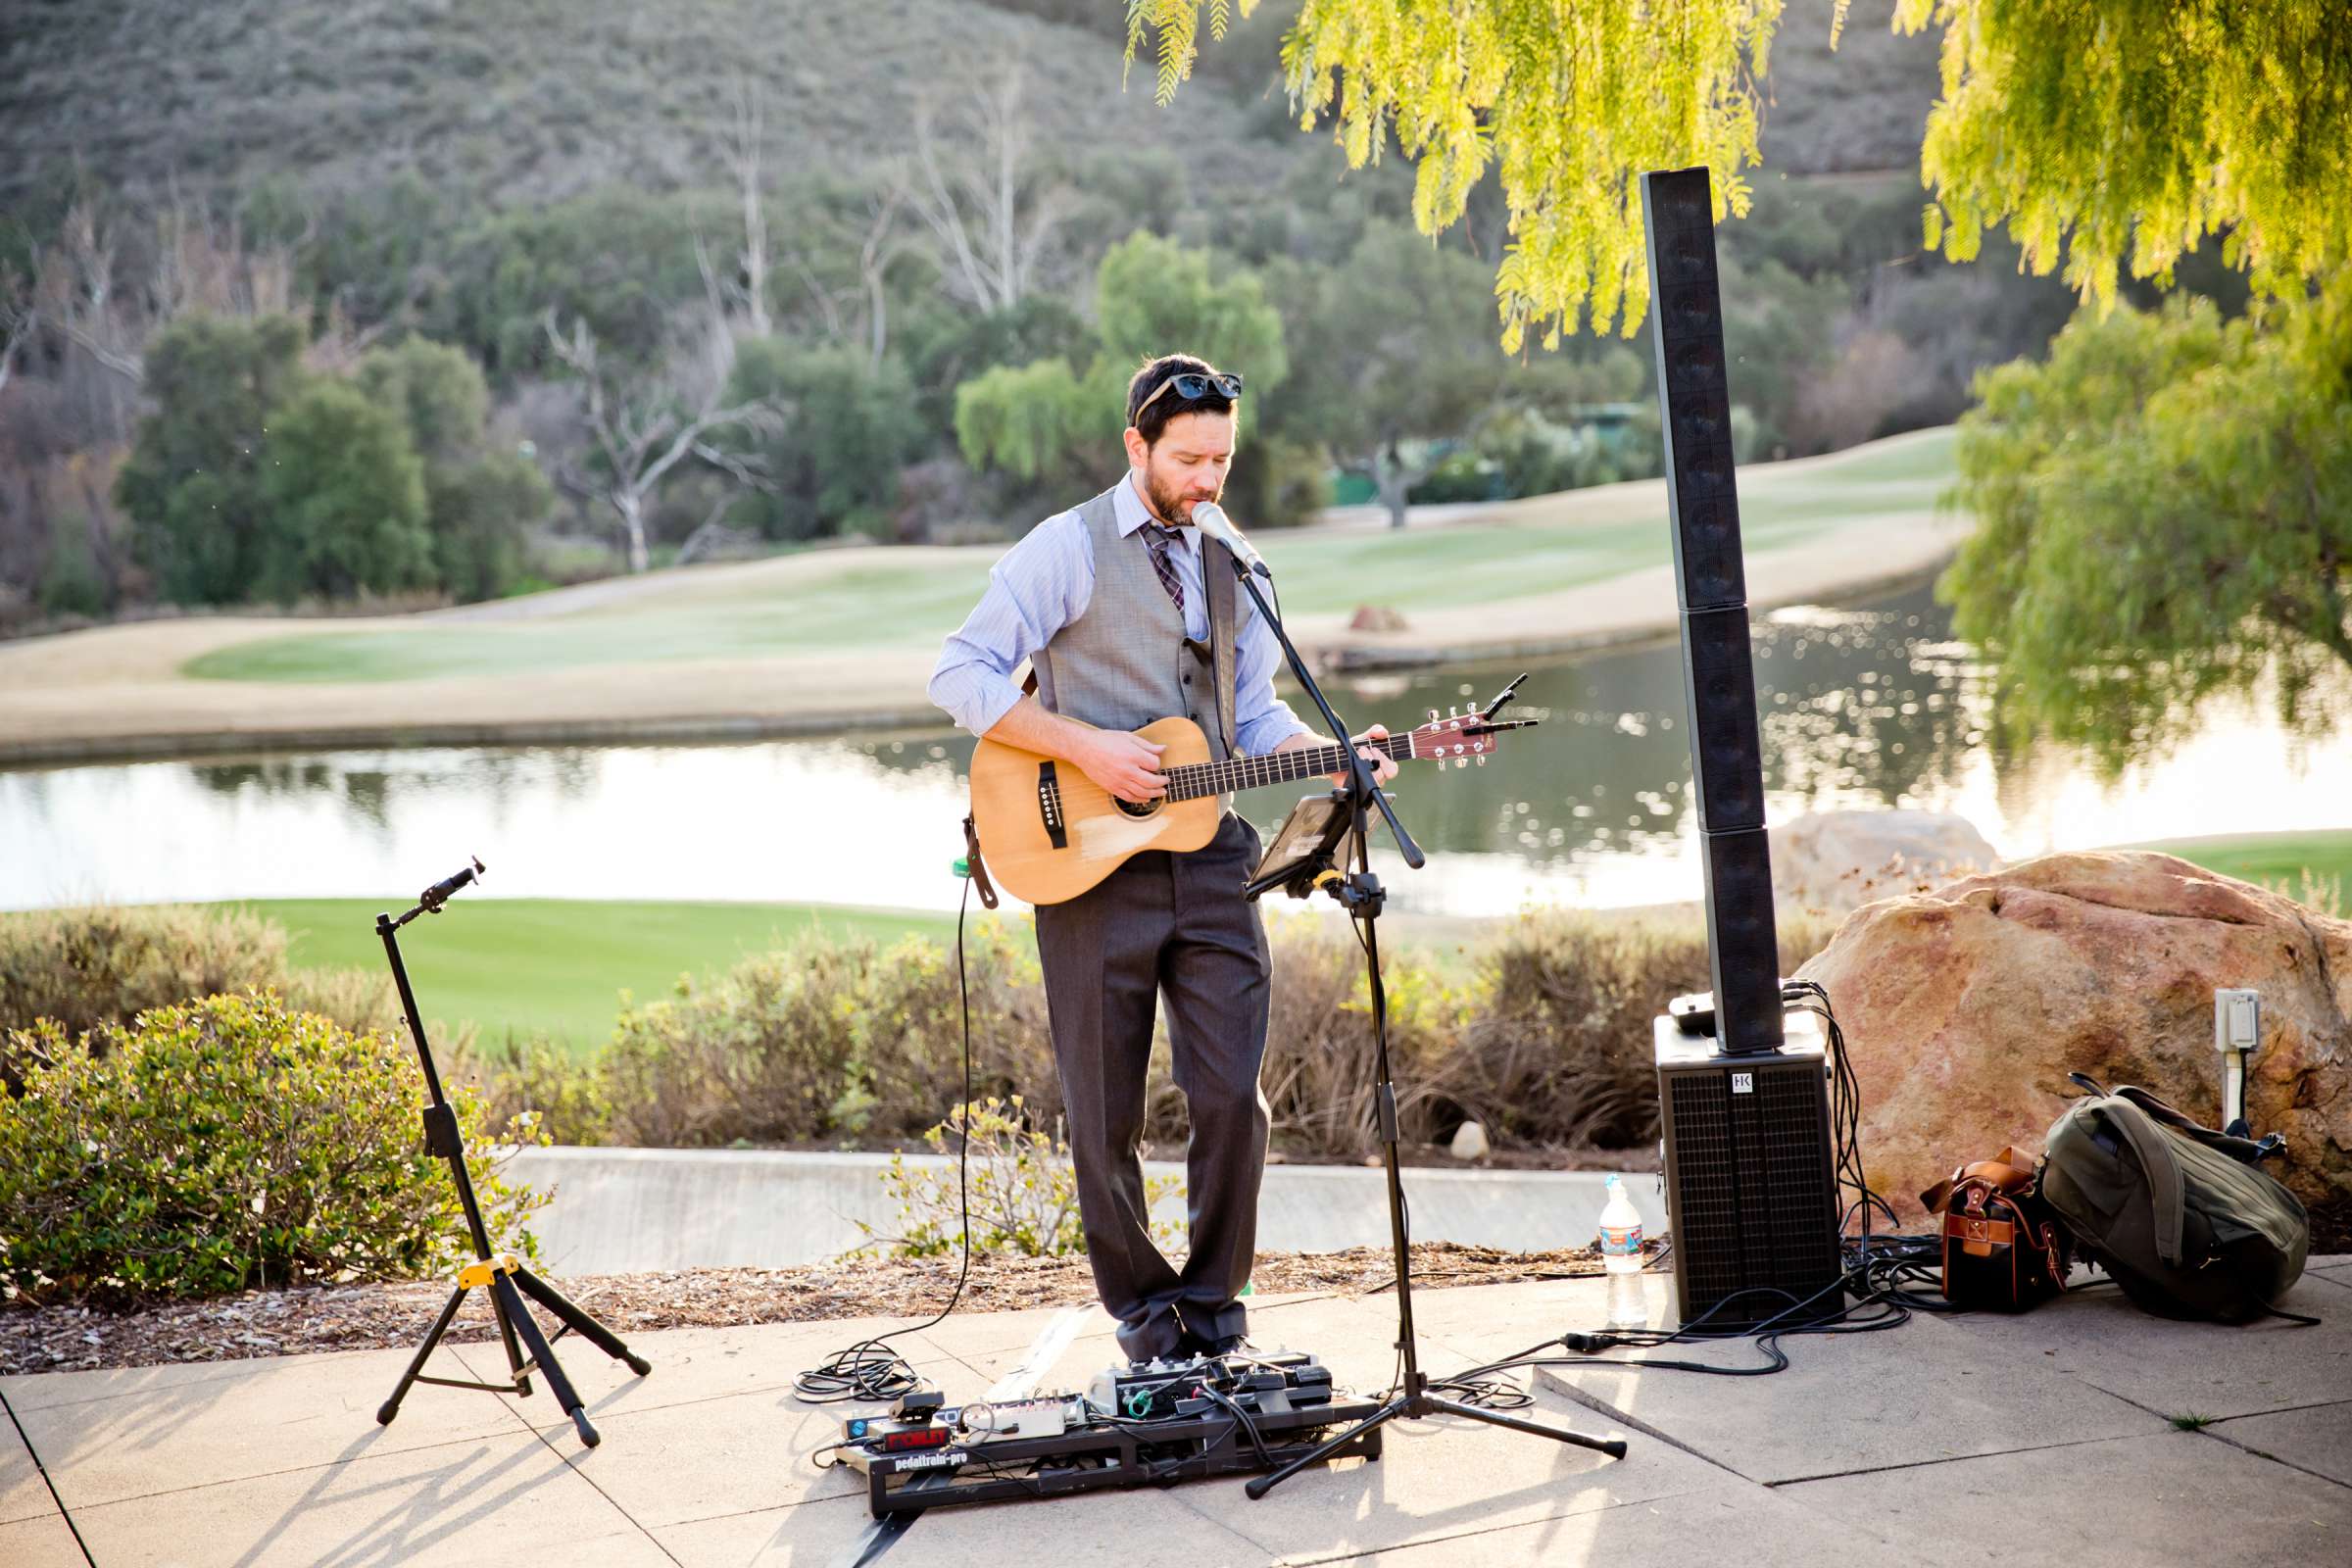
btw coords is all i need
(1866, 706)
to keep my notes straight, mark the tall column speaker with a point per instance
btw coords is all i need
(1743, 1099)
(1719, 677)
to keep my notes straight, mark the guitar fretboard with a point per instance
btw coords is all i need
(1196, 779)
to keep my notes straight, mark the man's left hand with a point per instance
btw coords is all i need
(1384, 766)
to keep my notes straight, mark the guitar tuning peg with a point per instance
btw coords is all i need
(1453, 713)
(1433, 716)
(1482, 759)
(1464, 762)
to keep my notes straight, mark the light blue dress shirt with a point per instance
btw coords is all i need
(1047, 580)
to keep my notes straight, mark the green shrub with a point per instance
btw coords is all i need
(224, 1144)
(531, 1075)
(762, 1053)
(1023, 1189)
(910, 1044)
(825, 1040)
(1319, 1070)
(100, 964)
(106, 963)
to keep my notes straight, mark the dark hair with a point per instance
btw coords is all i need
(1148, 380)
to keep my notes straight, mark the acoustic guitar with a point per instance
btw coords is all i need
(1049, 832)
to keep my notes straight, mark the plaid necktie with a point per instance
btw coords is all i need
(1162, 540)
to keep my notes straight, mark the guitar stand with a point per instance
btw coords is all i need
(503, 1276)
(1361, 894)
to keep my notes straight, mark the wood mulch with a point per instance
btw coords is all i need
(75, 1337)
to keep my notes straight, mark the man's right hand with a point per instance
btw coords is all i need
(1127, 765)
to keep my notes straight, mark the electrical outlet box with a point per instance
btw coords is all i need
(2236, 1020)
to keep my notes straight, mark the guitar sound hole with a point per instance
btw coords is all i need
(1136, 809)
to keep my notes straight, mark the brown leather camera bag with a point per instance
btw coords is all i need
(2003, 1248)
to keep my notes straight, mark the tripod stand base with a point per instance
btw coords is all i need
(508, 1282)
(1418, 1404)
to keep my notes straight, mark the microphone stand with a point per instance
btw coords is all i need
(1359, 892)
(503, 1276)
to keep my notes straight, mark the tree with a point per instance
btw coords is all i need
(193, 484)
(992, 208)
(480, 512)
(946, 345)
(850, 238)
(645, 425)
(2110, 134)
(1394, 356)
(479, 502)
(1568, 104)
(832, 459)
(1054, 426)
(2165, 514)
(1040, 422)
(343, 499)
(2125, 134)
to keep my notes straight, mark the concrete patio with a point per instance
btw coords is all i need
(2044, 1438)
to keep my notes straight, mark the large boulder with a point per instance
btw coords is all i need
(1965, 1009)
(1839, 861)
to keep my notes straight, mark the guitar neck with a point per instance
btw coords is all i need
(1275, 767)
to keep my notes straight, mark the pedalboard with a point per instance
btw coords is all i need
(1148, 1424)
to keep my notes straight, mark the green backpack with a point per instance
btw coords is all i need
(2177, 1214)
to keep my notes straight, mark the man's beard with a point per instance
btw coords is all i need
(1169, 504)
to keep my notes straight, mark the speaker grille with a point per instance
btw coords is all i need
(1706, 1222)
(1719, 684)
(1748, 1184)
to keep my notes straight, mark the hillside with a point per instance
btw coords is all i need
(516, 102)
(522, 100)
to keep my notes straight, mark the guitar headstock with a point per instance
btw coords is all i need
(1460, 738)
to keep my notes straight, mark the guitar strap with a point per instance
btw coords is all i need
(977, 866)
(1217, 566)
(1218, 569)
(1220, 657)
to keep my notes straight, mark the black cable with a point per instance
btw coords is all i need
(1889, 1275)
(869, 1370)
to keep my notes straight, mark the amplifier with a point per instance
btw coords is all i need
(1752, 1200)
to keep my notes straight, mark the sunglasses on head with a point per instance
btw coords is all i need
(1189, 384)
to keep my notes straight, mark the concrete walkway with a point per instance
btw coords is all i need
(2048, 1439)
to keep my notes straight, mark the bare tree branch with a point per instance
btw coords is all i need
(19, 319)
(746, 150)
(988, 221)
(644, 434)
(747, 471)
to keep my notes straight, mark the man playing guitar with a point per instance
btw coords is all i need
(1128, 616)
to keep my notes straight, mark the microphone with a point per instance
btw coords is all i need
(1211, 519)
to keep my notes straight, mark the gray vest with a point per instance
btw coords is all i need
(1126, 662)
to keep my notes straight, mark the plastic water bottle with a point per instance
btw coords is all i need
(1621, 1255)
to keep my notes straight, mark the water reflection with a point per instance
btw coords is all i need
(1866, 706)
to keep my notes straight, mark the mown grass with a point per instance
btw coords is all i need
(869, 597)
(2313, 866)
(557, 966)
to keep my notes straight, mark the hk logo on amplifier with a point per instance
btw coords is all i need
(1743, 1083)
